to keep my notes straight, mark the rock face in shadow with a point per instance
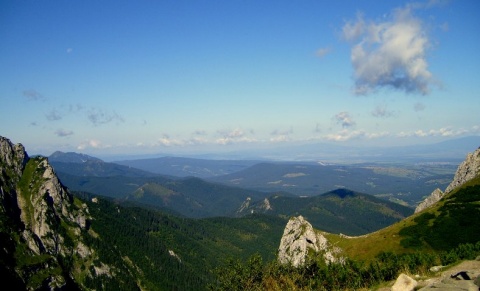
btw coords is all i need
(300, 240)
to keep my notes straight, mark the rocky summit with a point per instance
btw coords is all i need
(299, 240)
(467, 170)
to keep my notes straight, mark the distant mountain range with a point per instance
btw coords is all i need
(185, 167)
(452, 150)
(197, 198)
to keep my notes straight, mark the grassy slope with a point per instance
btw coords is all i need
(390, 238)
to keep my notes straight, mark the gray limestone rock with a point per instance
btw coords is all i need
(299, 238)
(468, 169)
(436, 195)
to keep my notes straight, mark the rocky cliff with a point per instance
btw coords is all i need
(300, 241)
(433, 198)
(467, 170)
(41, 223)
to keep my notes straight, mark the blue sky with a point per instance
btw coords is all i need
(139, 77)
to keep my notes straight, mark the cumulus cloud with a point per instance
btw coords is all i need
(32, 95)
(345, 135)
(91, 143)
(443, 132)
(381, 111)
(63, 133)
(235, 135)
(168, 141)
(343, 118)
(99, 117)
(390, 54)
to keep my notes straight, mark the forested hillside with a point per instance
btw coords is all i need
(339, 211)
(174, 252)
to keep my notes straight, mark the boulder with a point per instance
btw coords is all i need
(404, 283)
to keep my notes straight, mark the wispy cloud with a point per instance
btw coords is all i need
(390, 54)
(344, 119)
(321, 52)
(281, 135)
(54, 115)
(381, 111)
(99, 117)
(63, 133)
(33, 95)
(419, 107)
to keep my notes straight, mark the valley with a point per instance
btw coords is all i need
(125, 228)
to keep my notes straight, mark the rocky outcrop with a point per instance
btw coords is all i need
(467, 170)
(42, 213)
(436, 195)
(300, 239)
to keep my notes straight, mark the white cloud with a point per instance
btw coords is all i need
(233, 136)
(92, 143)
(443, 132)
(345, 135)
(168, 141)
(390, 53)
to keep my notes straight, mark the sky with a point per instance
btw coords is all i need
(145, 77)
